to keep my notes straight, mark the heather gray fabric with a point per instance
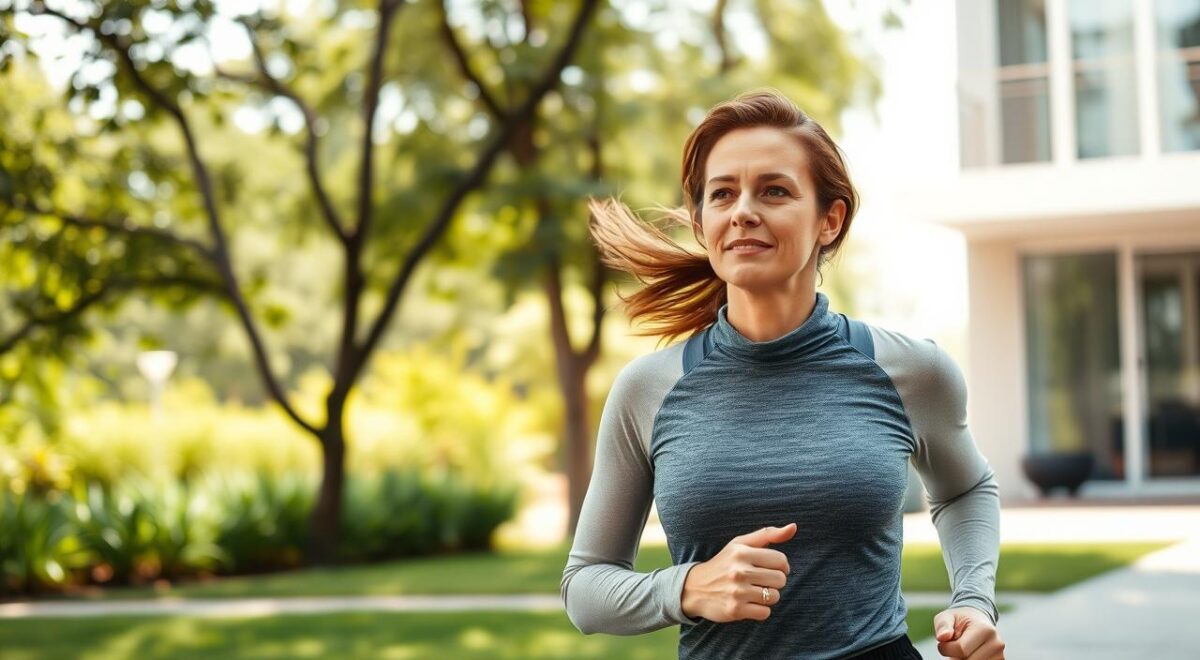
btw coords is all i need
(803, 428)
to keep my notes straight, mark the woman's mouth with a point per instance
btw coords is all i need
(748, 249)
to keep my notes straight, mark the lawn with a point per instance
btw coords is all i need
(1040, 568)
(347, 635)
(1023, 567)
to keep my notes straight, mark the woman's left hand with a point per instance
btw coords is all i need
(965, 633)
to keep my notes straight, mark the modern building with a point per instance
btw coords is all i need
(1078, 193)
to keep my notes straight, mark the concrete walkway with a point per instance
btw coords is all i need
(244, 607)
(1150, 609)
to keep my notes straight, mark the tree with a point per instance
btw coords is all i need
(606, 138)
(139, 73)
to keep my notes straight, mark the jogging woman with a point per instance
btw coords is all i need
(775, 439)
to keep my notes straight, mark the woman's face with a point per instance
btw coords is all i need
(758, 188)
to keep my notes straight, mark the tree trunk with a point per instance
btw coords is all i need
(327, 513)
(578, 434)
(572, 370)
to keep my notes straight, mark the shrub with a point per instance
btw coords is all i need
(182, 538)
(469, 513)
(116, 529)
(403, 513)
(37, 549)
(262, 520)
(143, 530)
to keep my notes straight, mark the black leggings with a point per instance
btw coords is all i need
(900, 648)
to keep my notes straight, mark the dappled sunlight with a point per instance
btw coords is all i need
(358, 239)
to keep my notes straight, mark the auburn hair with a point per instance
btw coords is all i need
(682, 292)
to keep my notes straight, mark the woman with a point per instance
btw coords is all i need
(775, 440)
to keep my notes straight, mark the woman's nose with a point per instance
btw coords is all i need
(743, 214)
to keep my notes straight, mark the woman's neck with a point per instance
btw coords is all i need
(767, 315)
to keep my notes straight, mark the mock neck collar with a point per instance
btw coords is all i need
(810, 335)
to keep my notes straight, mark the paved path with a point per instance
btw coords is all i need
(239, 607)
(1150, 609)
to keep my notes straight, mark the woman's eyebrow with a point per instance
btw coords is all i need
(767, 176)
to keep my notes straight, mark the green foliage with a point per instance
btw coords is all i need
(184, 536)
(116, 528)
(101, 199)
(470, 513)
(388, 514)
(37, 549)
(264, 521)
(419, 409)
(403, 513)
(643, 74)
(146, 530)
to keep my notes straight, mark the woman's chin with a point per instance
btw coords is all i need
(748, 279)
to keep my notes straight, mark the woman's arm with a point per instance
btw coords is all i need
(963, 493)
(600, 589)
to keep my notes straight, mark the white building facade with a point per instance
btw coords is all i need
(1078, 193)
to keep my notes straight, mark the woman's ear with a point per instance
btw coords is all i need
(834, 218)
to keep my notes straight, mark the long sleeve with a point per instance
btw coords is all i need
(599, 588)
(962, 490)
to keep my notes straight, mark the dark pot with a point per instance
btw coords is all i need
(1050, 471)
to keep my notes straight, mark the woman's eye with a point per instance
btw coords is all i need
(719, 193)
(776, 191)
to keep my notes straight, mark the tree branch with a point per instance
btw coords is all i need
(559, 330)
(108, 288)
(354, 281)
(475, 177)
(277, 86)
(527, 19)
(718, 28)
(387, 11)
(121, 226)
(464, 64)
(204, 184)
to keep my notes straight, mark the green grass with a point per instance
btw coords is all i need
(1025, 567)
(346, 635)
(1036, 567)
(1040, 568)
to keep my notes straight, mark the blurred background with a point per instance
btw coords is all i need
(299, 313)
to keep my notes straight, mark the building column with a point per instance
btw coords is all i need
(996, 400)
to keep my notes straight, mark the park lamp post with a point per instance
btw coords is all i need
(156, 367)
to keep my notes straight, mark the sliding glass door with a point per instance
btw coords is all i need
(1169, 293)
(1073, 361)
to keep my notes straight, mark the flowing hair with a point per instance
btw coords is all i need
(682, 292)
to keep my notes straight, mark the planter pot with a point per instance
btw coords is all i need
(1066, 470)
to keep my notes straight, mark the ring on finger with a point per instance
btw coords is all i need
(766, 595)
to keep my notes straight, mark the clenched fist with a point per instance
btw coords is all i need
(729, 587)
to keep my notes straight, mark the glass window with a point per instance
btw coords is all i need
(1073, 365)
(1022, 34)
(1025, 120)
(1170, 297)
(1023, 78)
(1179, 73)
(1106, 120)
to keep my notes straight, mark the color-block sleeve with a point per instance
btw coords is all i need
(964, 497)
(961, 487)
(599, 588)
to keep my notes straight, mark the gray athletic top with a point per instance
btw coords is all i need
(816, 427)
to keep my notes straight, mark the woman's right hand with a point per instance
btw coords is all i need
(728, 587)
